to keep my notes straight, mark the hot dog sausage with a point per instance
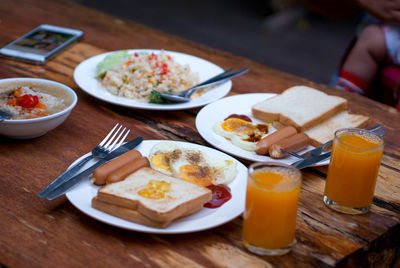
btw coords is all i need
(264, 144)
(100, 174)
(125, 170)
(293, 143)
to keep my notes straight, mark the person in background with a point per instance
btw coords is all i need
(377, 43)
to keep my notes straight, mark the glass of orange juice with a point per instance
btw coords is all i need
(354, 167)
(269, 219)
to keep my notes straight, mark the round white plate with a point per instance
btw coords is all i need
(81, 196)
(84, 76)
(238, 104)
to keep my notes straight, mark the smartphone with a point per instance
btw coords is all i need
(41, 43)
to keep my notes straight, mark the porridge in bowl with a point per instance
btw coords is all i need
(32, 100)
(37, 106)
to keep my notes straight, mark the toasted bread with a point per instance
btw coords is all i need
(300, 106)
(325, 131)
(180, 198)
(127, 214)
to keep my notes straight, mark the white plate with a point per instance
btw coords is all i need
(84, 76)
(238, 104)
(81, 195)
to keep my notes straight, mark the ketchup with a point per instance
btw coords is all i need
(220, 195)
(240, 116)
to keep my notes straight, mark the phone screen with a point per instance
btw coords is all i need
(41, 41)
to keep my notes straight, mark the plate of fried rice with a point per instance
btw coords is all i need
(129, 77)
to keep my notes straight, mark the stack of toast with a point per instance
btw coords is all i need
(151, 198)
(310, 111)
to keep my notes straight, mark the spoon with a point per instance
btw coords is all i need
(4, 115)
(184, 96)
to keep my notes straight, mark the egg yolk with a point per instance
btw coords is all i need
(238, 125)
(155, 189)
(196, 174)
(160, 161)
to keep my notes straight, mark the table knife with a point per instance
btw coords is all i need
(62, 186)
(68, 173)
(311, 160)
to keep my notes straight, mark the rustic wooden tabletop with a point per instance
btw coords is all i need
(35, 232)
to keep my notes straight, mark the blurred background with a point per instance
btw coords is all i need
(283, 34)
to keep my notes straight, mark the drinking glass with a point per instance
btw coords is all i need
(269, 219)
(352, 173)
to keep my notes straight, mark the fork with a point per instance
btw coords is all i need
(319, 150)
(184, 96)
(100, 151)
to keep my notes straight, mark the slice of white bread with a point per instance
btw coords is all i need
(133, 215)
(127, 214)
(181, 198)
(300, 106)
(325, 131)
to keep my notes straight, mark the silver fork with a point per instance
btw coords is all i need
(184, 96)
(100, 151)
(107, 145)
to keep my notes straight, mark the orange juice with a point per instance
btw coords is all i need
(271, 207)
(356, 157)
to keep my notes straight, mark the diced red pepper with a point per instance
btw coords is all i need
(27, 101)
(153, 56)
(165, 70)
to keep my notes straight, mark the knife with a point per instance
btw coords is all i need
(62, 186)
(311, 160)
(68, 173)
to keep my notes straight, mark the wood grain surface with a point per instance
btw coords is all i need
(38, 233)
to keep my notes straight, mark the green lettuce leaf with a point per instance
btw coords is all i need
(110, 61)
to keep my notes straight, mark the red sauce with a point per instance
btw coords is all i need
(240, 116)
(220, 195)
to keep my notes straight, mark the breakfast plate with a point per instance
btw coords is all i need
(84, 76)
(81, 195)
(238, 104)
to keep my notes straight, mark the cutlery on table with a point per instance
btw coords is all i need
(320, 150)
(64, 185)
(100, 151)
(318, 158)
(184, 96)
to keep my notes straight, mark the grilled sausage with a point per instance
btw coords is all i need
(264, 144)
(293, 143)
(125, 170)
(100, 174)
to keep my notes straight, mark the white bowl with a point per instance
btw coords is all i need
(32, 128)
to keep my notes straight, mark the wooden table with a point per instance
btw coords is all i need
(38, 233)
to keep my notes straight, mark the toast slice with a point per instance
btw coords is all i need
(127, 214)
(300, 106)
(325, 131)
(156, 196)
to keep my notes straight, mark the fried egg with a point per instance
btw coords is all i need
(241, 133)
(160, 155)
(191, 164)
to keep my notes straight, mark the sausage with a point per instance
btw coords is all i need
(293, 143)
(125, 170)
(264, 144)
(100, 174)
